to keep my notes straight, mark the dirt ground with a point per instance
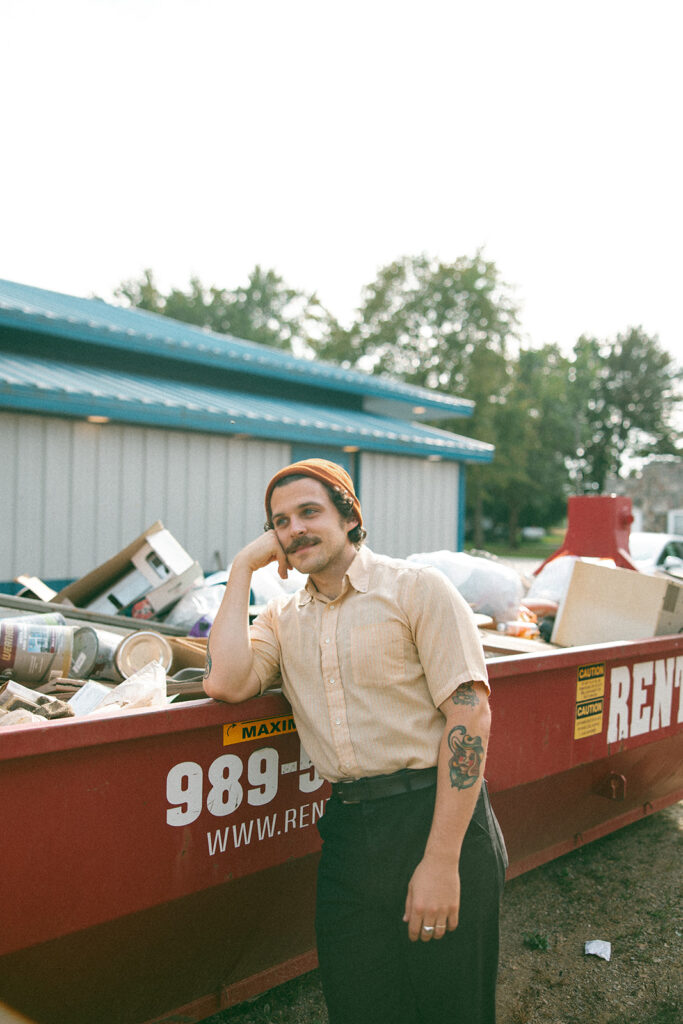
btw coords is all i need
(625, 889)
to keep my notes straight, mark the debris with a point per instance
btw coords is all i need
(88, 697)
(142, 581)
(19, 717)
(15, 697)
(598, 947)
(146, 688)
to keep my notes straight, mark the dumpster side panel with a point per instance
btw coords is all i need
(584, 742)
(150, 819)
(169, 857)
(213, 948)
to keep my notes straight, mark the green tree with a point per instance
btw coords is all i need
(142, 293)
(423, 321)
(534, 438)
(622, 396)
(438, 325)
(264, 309)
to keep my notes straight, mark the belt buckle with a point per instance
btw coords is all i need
(340, 791)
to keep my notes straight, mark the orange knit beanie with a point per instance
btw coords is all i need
(320, 469)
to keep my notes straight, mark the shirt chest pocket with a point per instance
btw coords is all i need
(378, 653)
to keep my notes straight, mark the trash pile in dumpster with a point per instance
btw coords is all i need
(131, 634)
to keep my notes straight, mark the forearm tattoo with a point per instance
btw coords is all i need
(207, 670)
(466, 694)
(468, 755)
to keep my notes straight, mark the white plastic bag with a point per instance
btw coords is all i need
(199, 603)
(552, 582)
(146, 688)
(266, 583)
(489, 587)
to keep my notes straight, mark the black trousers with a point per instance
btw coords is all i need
(371, 972)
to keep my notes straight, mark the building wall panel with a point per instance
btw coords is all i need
(75, 493)
(80, 491)
(409, 504)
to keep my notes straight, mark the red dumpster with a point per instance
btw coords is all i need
(162, 864)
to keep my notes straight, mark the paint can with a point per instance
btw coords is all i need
(138, 649)
(84, 653)
(107, 646)
(30, 652)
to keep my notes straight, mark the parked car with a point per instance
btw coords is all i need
(657, 552)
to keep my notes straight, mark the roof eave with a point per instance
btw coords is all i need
(42, 401)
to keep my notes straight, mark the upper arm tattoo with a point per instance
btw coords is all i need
(465, 694)
(468, 754)
(207, 670)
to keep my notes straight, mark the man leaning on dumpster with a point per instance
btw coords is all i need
(382, 665)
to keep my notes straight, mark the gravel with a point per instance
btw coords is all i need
(624, 889)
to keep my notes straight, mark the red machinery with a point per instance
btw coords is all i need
(598, 526)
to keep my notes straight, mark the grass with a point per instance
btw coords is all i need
(539, 549)
(535, 940)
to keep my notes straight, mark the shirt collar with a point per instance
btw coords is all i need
(357, 574)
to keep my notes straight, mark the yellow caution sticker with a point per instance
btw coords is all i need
(590, 700)
(262, 728)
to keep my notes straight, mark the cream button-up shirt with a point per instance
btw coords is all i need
(366, 671)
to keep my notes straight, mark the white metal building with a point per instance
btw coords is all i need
(113, 418)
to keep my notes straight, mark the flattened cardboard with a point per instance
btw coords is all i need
(83, 590)
(162, 597)
(604, 604)
(133, 561)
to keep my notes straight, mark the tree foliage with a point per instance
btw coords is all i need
(426, 322)
(561, 423)
(264, 309)
(622, 396)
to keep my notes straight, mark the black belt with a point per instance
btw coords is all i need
(376, 787)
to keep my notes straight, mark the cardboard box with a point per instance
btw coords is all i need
(153, 568)
(604, 604)
(162, 597)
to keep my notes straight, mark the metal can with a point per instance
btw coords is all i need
(107, 646)
(30, 652)
(138, 649)
(84, 653)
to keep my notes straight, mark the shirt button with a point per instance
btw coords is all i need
(332, 682)
(337, 721)
(331, 607)
(327, 639)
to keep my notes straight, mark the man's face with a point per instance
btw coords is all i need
(310, 529)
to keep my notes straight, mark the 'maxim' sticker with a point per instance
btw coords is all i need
(241, 732)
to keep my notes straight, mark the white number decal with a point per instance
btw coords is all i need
(225, 794)
(262, 770)
(184, 785)
(309, 780)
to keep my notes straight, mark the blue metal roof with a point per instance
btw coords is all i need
(57, 388)
(91, 320)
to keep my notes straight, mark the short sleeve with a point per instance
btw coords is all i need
(265, 648)
(445, 634)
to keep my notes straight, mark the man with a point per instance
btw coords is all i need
(385, 673)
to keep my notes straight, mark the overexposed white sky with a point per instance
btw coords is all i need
(323, 139)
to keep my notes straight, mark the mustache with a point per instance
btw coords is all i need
(301, 542)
